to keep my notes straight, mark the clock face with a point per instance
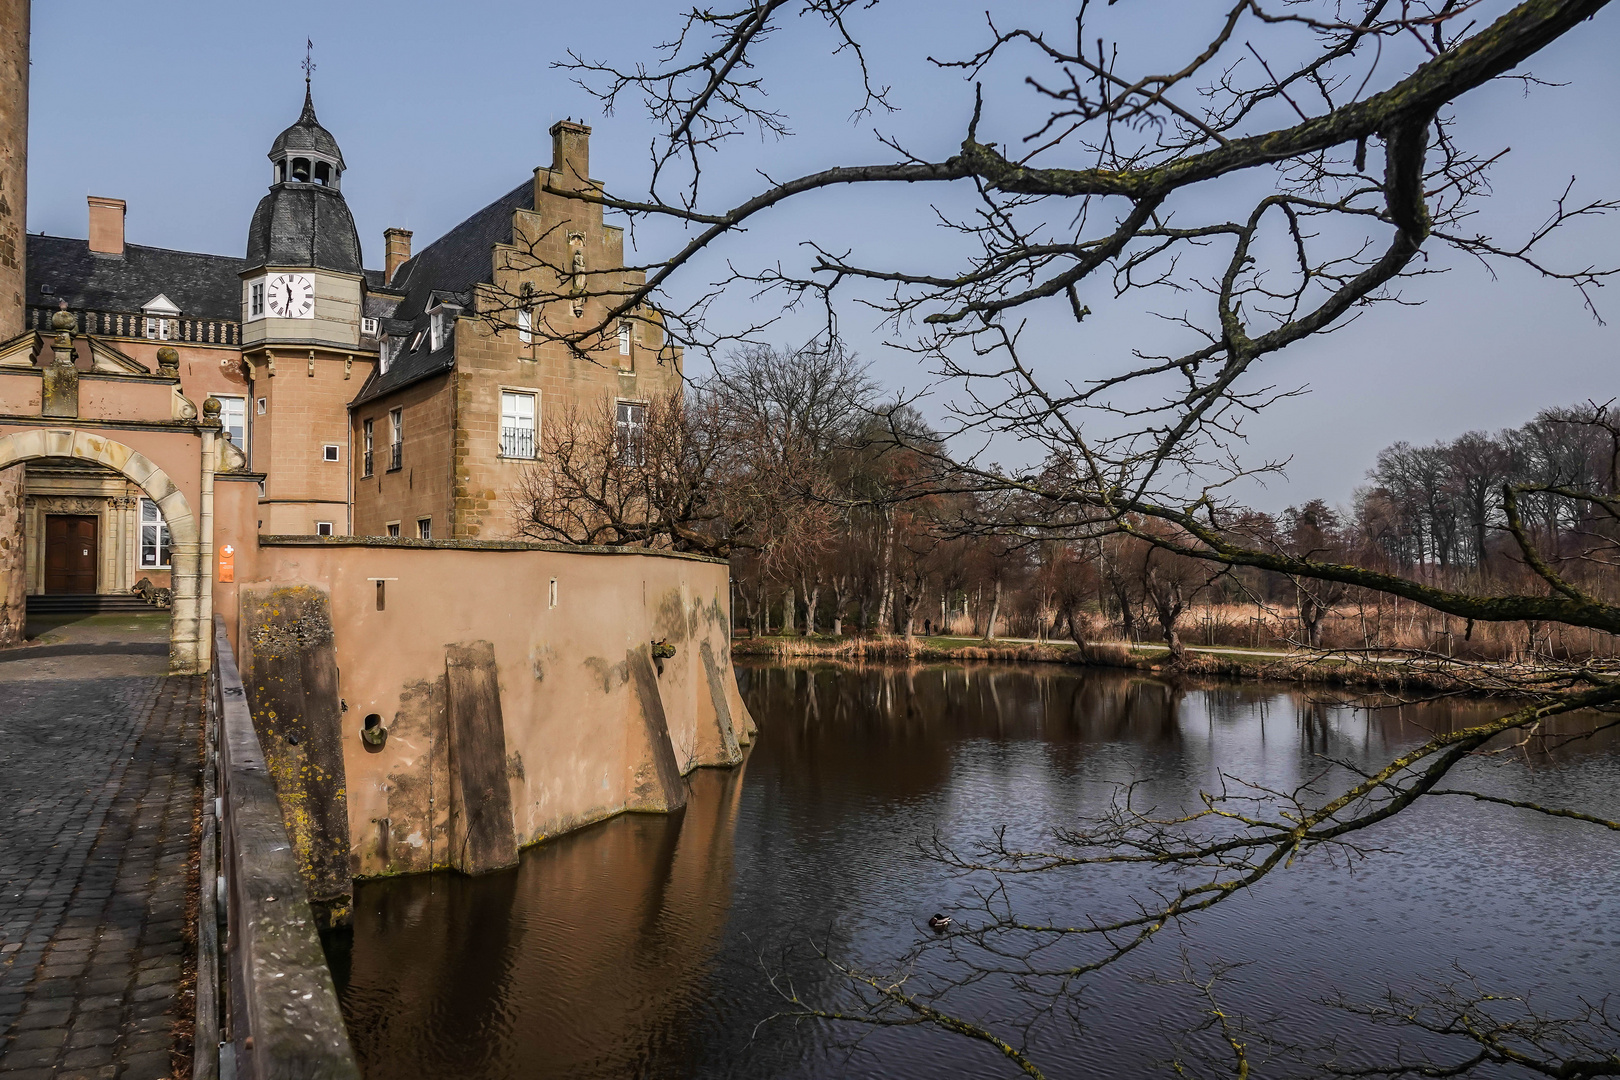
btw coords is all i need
(290, 296)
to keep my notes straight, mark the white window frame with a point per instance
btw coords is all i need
(424, 528)
(396, 438)
(323, 528)
(157, 328)
(630, 432)
(392, 529)
(154, 537)
(256, 300)
(525, 326)
(368, 438)
(261, 405)
(331, 452)
(225, 403)
(512, 418)
(368, 327)
(436, 331)
(624, 338)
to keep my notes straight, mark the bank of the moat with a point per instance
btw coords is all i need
(644, 945)
(1369, 671)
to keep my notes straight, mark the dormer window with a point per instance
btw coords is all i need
(159, 323)
(440, 322)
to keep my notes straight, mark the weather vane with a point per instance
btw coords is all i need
(309, 64)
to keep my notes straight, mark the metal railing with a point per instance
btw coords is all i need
(517, 442)
(132, 324)
(367, 464)
(267, 1008)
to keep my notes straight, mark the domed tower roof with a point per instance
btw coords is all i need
(304, 221)
(307, 136)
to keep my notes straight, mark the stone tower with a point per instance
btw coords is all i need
(302, 295)
(13, 244)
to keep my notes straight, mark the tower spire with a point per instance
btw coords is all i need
(309, 69)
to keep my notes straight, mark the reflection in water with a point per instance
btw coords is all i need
(486, 977)
(643, 946)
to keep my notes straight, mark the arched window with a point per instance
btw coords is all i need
(300, 170)
(323, 173)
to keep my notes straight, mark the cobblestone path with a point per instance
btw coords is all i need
(98, 777)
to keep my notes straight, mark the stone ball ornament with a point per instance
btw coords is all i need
(211, 409)
(168, 359)
(62, 320)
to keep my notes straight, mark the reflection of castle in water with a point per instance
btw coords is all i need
(457, 976)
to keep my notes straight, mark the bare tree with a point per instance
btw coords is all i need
(1294, 172)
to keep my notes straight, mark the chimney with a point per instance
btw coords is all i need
(570, 156)
(397, 246)
(107, 226)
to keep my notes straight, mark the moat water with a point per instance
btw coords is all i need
(657, 947)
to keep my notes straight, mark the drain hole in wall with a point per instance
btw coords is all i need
(372, 732)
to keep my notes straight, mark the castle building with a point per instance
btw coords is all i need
(406, 401)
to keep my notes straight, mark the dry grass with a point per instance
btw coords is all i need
(1387, 624)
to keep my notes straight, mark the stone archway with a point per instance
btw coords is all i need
(189, 633)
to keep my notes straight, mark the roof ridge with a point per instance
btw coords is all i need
(143, 247)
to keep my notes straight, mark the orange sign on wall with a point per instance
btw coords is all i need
(227, 563)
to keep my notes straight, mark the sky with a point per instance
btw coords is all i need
(172, 106)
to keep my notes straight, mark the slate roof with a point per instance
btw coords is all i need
(461, 258)
(202, 286)
(448, 267)
(306, 136)
(299, 224)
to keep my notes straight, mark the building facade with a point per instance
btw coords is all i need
(406, 401)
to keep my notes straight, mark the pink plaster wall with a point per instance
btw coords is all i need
(575, 739)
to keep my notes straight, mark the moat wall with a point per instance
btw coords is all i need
(513, 692)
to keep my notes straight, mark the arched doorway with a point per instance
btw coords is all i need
(189, 631)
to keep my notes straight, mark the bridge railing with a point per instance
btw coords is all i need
(266, 1005)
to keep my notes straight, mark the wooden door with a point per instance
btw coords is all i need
(70, 553)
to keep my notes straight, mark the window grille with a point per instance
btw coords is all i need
(396, 447)
(517, 424)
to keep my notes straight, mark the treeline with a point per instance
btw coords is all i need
(829, 502)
